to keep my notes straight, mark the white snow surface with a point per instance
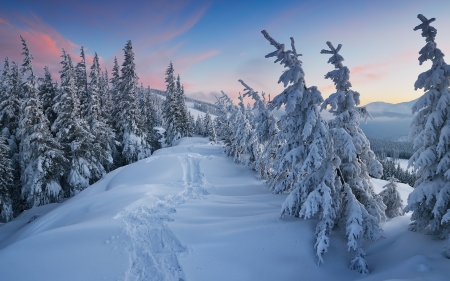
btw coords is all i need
(189, 213)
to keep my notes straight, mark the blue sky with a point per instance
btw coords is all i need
(214, 43)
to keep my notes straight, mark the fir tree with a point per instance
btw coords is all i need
(129, 126)
(83, 153)
(47, 93)
(82, 84)
(306, 160)
(199, 127)
(41, 159)
(171, 113)
(103, 133)
(9, 120)
(105, 97)
(6, 181)
(392, 199)
(265, 132)
(363, 209)
(430, 130)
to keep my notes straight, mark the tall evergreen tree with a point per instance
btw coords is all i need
(104, 135)
(83, 153)
(129, 126)
(6, 181)
(47, 93)
(306, 163)
(363, 209)
(430, 129)
(82, 84)
(183, 122)
(9, 120)
(265, 132)
(41, 159)
(170, 113)
(105, 97)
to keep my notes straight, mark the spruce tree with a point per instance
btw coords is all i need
(391, 198)
(430, 130)
(41, 159)
(199, 127)
(6, 181)
(362, 208)
(82, 84)
(170, 110)
(105, 97)
(104, 135)
(305, 163)
(129, 126)
(9, 119)
(47, 93)
(83, 152)
(265, 132)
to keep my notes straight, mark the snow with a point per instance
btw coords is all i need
(190, 213)
(194, 112)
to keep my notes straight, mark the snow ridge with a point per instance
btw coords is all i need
(154, 247)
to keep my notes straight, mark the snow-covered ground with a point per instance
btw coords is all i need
(190, 213)
(194, 112)
(403, 164)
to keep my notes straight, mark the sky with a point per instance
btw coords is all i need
(213, 44)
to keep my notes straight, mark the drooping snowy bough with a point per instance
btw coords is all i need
(430, 130)
(362, 209)
(305, 163)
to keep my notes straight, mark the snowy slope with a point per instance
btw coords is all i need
(190, 213)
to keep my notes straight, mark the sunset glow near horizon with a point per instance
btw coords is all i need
(212, 44)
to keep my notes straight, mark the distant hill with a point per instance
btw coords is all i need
(390, 121)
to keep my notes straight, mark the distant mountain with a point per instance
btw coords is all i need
(390, 121)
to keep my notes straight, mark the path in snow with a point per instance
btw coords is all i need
(154, 247)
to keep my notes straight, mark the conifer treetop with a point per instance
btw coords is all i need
(428, 31)
(341, 75)
(27, 61)
(335, 59)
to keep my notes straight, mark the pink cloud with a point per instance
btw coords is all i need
(4, 21)
(44, 42)
(189, 86)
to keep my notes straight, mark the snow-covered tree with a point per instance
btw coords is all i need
(191, 128)
(129, 126)
(362, 208)
(223, 123)
(103, 133)
(6, 181)
(149, 117)
(10, 101)
(306, 163)
(242, 139)
(41, 159)
(199, 126)
(172, 111)
(82, 84)
(208, 124)
(105, 97)
(265, 132)
(183, 122)
(391, 198)
(84, 154)
(47, 93)
(430, 130)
